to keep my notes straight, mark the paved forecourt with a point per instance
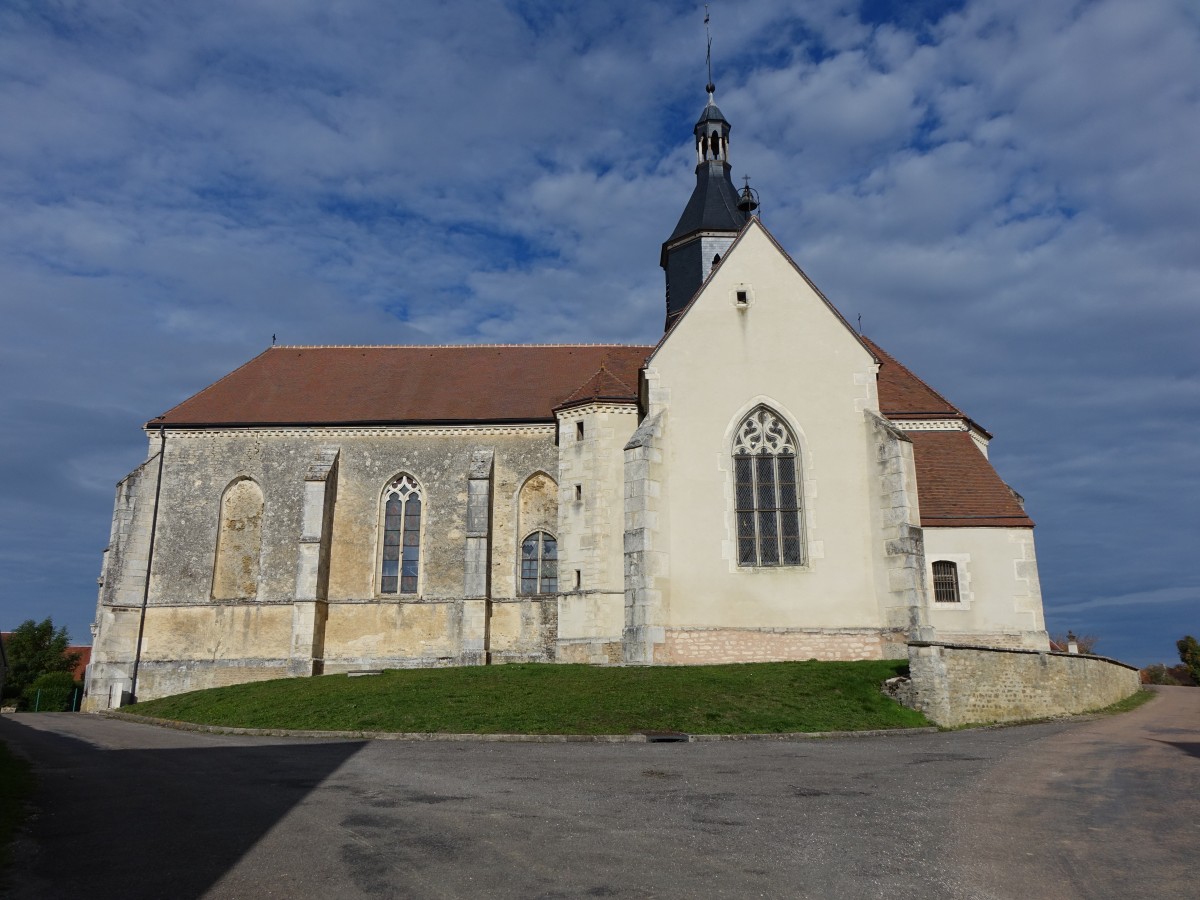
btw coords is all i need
(129, 810)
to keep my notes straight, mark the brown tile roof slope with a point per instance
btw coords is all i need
(603, 385)
(957, 486)
(901, 393)
(396, 385)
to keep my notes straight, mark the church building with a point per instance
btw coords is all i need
(761, 484)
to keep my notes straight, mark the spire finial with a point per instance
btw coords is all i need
(710, 87)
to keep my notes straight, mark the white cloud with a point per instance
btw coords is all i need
(1006, 193)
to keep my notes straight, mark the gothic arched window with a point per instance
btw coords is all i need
(767, 483)
(539, 564)
(401, 536)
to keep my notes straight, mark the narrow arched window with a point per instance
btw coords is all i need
(401, 536)
(239, 542)
(539, 564)
(767, 487)
(945, 582)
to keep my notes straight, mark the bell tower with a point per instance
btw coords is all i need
(713, 216)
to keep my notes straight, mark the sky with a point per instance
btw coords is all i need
(1006, 191)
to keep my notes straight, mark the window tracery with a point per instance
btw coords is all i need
(767, 489)
(401, 536)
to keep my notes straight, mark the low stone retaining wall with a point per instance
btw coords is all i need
(960, 684)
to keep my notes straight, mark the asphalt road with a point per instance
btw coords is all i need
(1104, 808)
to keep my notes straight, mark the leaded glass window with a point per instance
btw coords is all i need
(767, 488)
(539, 564)
(401, 537)
(945, 582)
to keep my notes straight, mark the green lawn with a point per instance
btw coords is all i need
(16, 784)
(562, 699)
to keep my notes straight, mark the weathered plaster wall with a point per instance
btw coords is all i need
(958, 684)
(390, 633)
(188, 633)
(524, 629)
(122, 582)
(239, 542)
(440, 459)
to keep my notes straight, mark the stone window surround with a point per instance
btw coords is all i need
(965, 594)
(550, 527)
(377, 571)
(814, 549)
(558, 558)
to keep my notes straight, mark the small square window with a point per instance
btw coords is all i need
(945, 582)
(743, 298)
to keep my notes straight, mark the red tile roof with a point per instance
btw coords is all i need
(957, 486)
(903, 395)
(85, 657)
(470, 383)
(527, 383)
(402, 385)
(604, 385)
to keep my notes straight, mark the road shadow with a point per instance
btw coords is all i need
(1191, 748)
(152, 823)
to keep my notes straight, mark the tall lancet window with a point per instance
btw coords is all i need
(401, 536)
(767, 480)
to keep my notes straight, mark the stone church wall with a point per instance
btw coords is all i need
(122, 583)
(204, 626)
(591, 511)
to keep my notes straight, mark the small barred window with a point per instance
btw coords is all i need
(401, 537)
(767, 484)
(539, 564)
(945, 582)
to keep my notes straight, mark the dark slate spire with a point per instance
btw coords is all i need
(714, 202)
(711, 219)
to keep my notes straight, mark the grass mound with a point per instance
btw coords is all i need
(562, 699)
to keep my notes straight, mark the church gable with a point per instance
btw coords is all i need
(759, 326)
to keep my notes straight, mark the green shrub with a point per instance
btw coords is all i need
(1189, 655)
(53, 692)
(1157, 674)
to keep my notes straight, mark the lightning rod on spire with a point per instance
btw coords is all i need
(710, 87)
